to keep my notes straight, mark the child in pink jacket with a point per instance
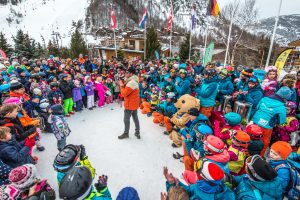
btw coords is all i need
(101, 89)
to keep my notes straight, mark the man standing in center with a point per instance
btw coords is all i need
(130, 92)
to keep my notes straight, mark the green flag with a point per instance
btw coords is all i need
(208, 53)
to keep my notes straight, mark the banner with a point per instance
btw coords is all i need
(208, 53)
(281, 60)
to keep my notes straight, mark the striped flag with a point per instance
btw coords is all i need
(113, 21)
(193, 16)
(170, 21)
(213, 8)
(144, 18)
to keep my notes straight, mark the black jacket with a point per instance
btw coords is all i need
(66, 88)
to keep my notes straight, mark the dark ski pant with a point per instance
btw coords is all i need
(127, 115)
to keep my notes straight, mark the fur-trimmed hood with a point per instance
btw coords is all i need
(132, 82)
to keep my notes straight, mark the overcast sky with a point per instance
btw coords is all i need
(269, 8)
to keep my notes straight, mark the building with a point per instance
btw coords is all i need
(294, 58)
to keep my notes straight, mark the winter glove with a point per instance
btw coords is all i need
(82, 155)
(102, 183)
(29, 142)
(195, 155)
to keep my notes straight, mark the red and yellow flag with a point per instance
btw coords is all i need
(213, 8)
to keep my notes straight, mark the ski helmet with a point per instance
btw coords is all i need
(66, 158)
(291, 105)
(233, 119)
(254, 131)
(213, 145)
(76, 184)
(253, 79)
(224, 72)
(57, 109)
(229, 68)
(182, 71)
(240, 138)
(44, 105)
(211, 73)
(202, 130)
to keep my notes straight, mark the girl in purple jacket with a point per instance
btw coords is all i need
(89, 88)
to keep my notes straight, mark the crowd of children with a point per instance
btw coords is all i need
(238, 131)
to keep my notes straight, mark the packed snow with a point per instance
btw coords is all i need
(129, 162)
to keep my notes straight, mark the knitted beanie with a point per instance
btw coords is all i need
(24, 176)
(209, 171)
(12, 100)
(247, 72)
(283, 149)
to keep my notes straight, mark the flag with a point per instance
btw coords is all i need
(170, 21)
(113, 21)
(2, 54)
(213, 8)
(281, 60)
(193, 16)
(208, 53)
(144, 18)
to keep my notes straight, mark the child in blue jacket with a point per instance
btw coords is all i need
(260, 182)
(209, 183)
(279, 154)
(225, 85)
(13, 153)
(253, 94)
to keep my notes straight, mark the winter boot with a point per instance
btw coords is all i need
(39, 147)
(137, 135)
(166, 132)
(123, 136)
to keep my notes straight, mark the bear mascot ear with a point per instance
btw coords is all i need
(186, 102)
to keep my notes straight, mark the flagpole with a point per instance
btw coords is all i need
(115, 43)
(205, 44)
(228, 41)
(190, 50)
(171, 30)
(273, 36)
(145, 40)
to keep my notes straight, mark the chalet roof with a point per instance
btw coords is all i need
(295, 43)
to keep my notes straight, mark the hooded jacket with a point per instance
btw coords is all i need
(207, 92)
(203, 191)
(130, 92)
(252, 190)
(253, 96)
(270, 110)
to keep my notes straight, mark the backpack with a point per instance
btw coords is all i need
(293, 189)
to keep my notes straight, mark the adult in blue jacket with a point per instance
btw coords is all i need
(269, 112)
(183, 84)
(209, 184)
(254, 93)
(225, 85)
(207, 92)
(198, 69)
(260, 182)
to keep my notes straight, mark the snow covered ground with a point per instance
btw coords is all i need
(130, 162)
